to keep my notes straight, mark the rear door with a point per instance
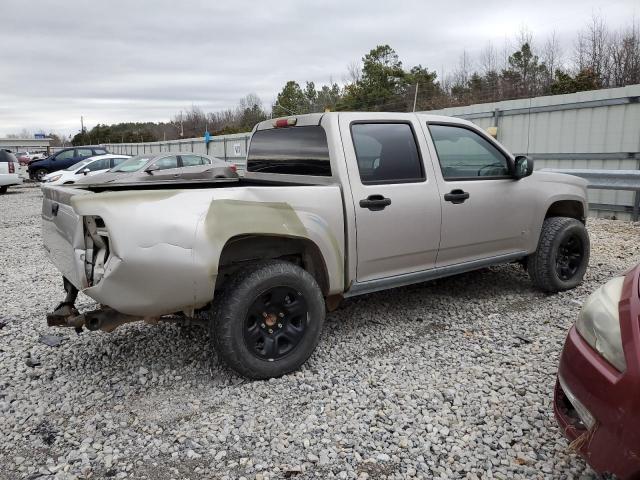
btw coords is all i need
(194, 166)
(395, 193)
(485, 212)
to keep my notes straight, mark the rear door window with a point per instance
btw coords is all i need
(84, 152)
(99, 151)
(386, 153)
(291, 151)
(102, 164)
(117, 161)
(191, 160)
(6, 157)
(66, 155)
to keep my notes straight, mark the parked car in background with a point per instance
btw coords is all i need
(596, 400)
(61, 160)
(85, 168)
(165, 167)
(8, 171)
(24, 158)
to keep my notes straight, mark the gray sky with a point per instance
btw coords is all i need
(140, 60)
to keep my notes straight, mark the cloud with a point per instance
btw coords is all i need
(145, 60)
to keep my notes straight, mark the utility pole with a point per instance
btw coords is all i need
(415, 97)
(81, 124)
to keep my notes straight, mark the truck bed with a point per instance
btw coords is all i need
(155, 249)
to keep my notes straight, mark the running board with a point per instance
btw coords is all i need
(360, 288)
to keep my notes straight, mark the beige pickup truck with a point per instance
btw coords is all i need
(332, 205)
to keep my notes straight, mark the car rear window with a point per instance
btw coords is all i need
(290, 151)
(7, 156)
(99, 151)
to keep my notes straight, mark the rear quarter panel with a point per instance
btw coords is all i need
(166, 244)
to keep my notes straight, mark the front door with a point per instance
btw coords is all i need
(395, 195)
(485, 211)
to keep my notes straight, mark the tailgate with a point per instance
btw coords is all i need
(62, 233)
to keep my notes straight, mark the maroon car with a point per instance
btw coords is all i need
(597, 393)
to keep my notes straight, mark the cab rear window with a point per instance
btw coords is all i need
(290, 151)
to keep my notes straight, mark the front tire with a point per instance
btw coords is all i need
(268, 320)
(562, 256)
(39, 174)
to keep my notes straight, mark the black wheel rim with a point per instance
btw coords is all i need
(569, 257)
(276, 322)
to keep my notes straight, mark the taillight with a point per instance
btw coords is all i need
(233, 167)
(12, 168)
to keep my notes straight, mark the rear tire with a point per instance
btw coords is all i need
(268, 320)
(562, 256)
(3, 189)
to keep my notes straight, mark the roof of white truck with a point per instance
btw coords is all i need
(315, 118)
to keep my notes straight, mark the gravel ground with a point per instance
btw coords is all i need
(450, 379)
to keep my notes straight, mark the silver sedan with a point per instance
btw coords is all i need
(166, 167)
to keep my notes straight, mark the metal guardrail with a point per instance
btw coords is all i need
(608, 180)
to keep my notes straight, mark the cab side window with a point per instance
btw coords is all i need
(386, 153)
(464, 154)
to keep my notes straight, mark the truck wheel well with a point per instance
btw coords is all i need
(566, 208)
(245, 249)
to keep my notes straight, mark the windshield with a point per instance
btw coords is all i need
(75, 166)
(132, 164)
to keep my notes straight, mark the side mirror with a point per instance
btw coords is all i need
(85, 171)
(151, 168)
(523, 166)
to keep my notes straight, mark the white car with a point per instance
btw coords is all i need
(87, 167)
(9, 171)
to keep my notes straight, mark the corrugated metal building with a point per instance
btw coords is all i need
(594, 129)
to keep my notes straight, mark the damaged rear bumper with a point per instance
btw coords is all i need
(105, 318)
(112, 247)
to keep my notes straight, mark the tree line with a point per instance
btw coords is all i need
(601, 58)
